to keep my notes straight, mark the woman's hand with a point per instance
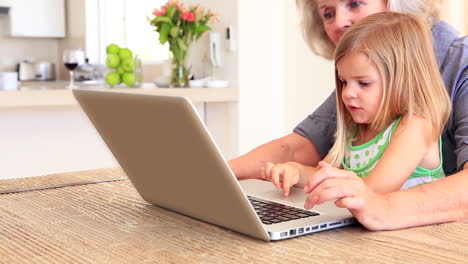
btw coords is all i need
(283, 175)
(350, 191)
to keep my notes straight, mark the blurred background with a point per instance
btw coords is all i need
(278, 81)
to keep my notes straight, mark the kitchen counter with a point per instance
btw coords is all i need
(55, 94)
(58, 84)
(46, 129)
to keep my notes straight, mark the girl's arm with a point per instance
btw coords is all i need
(408, 146)
(292, 147)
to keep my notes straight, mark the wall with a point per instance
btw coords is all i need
(454, 12)
(261, 37)
(14, 50)
(309, 78)
(222, 119)
(199, 56)
(279, 80)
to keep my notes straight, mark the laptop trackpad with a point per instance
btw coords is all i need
(266, 190)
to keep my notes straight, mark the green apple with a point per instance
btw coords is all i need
(120, 69)
(112, 61)
(113, 49)
(128, 78)
(128, 64)
(125, 53)
(112, 78)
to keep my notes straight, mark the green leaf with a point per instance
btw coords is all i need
(163, 34)
(162, 19)
(188, 37)
(174, 31)
(175, 50)
(170, 11)
(201, 29)
(182, 45)
(177, 15)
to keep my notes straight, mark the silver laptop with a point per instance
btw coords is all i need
(171, 159)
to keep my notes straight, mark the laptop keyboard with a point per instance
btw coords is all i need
(273, 213)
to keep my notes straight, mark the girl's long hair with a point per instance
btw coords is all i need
(401, 48)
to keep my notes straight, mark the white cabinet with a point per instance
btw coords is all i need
(37, 18)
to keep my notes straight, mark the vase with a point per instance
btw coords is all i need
(180, 72)
(180, 75)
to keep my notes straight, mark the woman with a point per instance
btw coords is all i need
(324, 22)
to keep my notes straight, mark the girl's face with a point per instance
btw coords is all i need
(339, 15)
(361, 88)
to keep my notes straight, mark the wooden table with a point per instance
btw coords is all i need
(107, 222)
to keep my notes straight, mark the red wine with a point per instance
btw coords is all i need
(71, 66)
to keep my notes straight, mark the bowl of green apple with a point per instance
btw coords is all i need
(123, 67)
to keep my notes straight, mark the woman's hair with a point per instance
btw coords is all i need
(317, 39)
(401, 48)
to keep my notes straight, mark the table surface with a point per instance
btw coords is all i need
(44, 220)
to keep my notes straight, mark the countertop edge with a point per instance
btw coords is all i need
(64, 97)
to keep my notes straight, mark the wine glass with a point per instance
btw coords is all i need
(72, 58)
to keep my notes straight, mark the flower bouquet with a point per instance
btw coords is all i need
(180, 26)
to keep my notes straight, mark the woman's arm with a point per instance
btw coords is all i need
(292, 147)
(442, 201)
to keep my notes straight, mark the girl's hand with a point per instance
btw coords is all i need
(283, 175)
(349, 191)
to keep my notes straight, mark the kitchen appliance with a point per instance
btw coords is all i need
(36, 71)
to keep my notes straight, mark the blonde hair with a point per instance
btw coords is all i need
(317, 39)
(400, 46)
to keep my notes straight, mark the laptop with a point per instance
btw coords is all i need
(171, 159)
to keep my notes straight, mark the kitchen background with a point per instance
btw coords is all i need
(278, 80)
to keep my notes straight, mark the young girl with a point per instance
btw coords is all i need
(391, 107)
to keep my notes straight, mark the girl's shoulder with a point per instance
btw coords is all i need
(414, 126)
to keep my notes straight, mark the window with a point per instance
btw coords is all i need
(124, 22)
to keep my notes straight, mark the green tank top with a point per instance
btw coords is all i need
(363, 158)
